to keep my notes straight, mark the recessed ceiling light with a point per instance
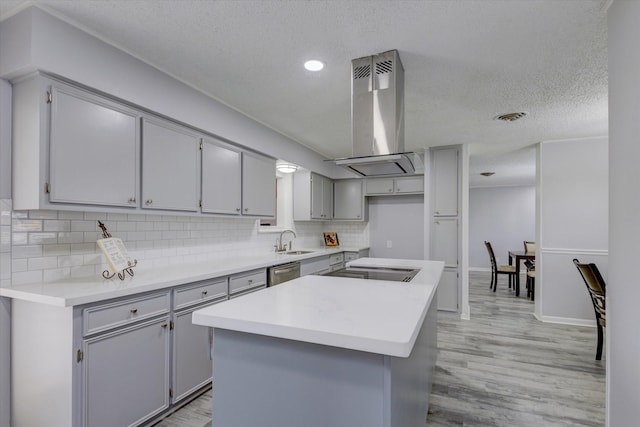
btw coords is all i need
(314, 65)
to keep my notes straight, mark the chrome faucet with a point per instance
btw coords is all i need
(279, 246)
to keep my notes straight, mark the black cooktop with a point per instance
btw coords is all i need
(375, 273)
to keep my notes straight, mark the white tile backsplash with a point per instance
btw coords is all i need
(53, 245)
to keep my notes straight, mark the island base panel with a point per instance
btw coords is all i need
(261, 380)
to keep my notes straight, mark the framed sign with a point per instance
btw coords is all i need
(331, 238)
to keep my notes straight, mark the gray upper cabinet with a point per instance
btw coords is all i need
(312, 196)
(394, 186)
(81, 150)
(258, 185)
(348, 200)
(221, 178)
(321, 197)
(93, 149)
(170, 166)
(445, 181)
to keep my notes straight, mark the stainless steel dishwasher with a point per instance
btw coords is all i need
(283, 272)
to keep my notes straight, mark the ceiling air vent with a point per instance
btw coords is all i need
(510, 117)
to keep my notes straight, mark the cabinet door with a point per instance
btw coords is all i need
(258, 185)
(126, 375)
(379, 186)
(444, 246)
(409, 185)
(93, 150)
(170, 167)
(445, 182)
(327, 198)
(317, 197)
(221, 178)
(448, 290)
(348, 199)
(191, 355)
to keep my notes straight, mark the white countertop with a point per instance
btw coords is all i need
(78, 291)
(375, 316)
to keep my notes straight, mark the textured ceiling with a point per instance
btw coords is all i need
(465, 62)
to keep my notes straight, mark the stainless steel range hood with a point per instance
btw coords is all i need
(377, 118)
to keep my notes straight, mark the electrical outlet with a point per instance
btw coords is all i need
(389, 244)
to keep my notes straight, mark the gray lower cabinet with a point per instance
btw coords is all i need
(125, 375)
(317, 265)
(191, 355)
(191, 352)
(336, 261)
(245, 283)
(351, 255)
(448, 290)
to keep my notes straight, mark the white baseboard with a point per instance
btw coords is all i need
(566, 321)
(480, 269)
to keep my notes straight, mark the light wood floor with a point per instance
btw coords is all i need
(501, 368)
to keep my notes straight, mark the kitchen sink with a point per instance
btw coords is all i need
(298, 252)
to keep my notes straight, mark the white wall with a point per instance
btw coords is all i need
(623, 291)
(573, 198)
(505, 216)
(34, 40)
(5, 249)
(400, 220)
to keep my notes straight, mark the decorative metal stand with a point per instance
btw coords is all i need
(130, 263)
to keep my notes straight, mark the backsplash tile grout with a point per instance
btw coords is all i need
(52, 245)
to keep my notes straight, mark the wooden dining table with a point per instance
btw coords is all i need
(519, 256)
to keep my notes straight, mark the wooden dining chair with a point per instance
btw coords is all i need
(531, 279)
(529, 247)
(597, 290)
(496, 269)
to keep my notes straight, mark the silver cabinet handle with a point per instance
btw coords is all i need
(148, 202)
(164, 326)
(204, 293)
(134, 310)
(210, 343)
(237, 209)
(246, 209)
(250, 281)
(132, 200)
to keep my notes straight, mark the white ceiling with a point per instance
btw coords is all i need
(465, 62)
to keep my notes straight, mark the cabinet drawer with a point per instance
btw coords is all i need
(201, 292)
(246, 281)
(336, 259)
(350, 256)
(108, 316)
(314, 265)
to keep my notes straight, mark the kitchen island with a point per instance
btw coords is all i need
(326, 351)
